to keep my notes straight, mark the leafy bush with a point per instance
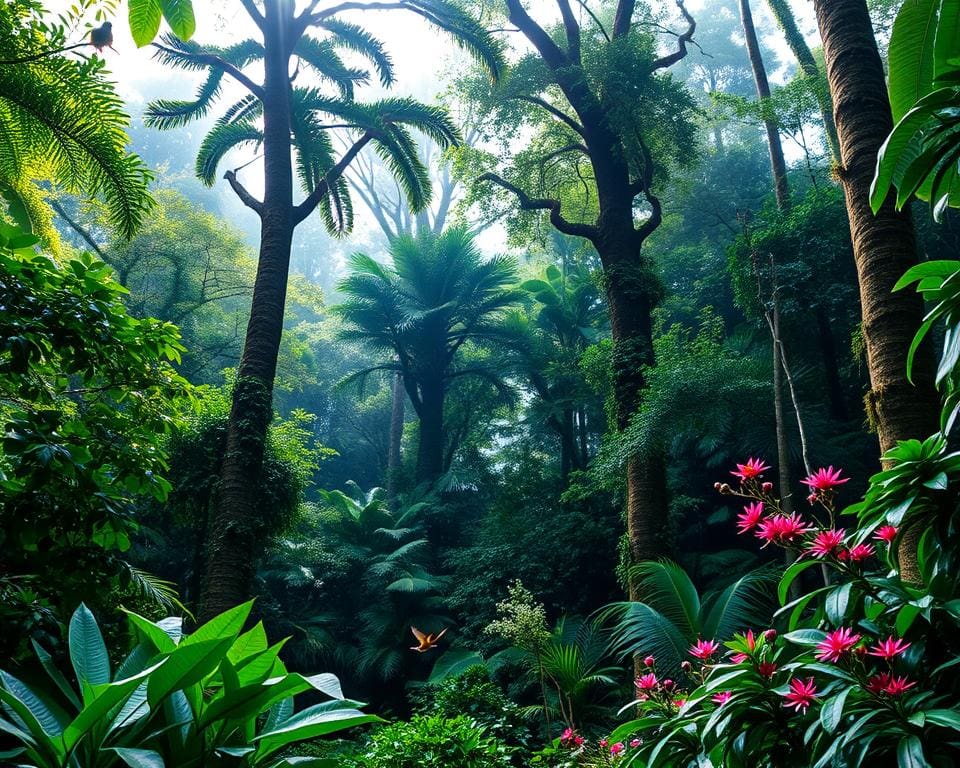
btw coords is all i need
(434, 740)
(472, 693)
(215, 697)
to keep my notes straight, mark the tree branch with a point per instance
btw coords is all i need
(211, 60)
(313, 199)
(251, 7)
(623, 17)
(576, 147)
(572, 29)
(596, 21)
(557, 113)
(245, 197)
(670, 59)
(552, 54)
(528, 203)
(88, 238)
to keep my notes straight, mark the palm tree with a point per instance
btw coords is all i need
(437, 296)
(306, 93)
(546, 346)
(884, 245)
(669, 614)
(61, 119)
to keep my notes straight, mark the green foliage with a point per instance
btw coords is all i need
(456, 742)
(62, 121)
(214, 697)
(87, 394)
(670, 615)
(474, 695)
(522, 621)
(920, 155)
(145, 15)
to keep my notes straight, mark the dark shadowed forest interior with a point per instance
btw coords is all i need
(477, 383)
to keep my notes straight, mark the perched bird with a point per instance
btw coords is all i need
(102, 37)
(425, 641)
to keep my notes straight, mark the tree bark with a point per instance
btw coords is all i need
(778, 165)
(831, 366)
(396, 438)
(808, 65)
(884, 245)
(233, 542)
(430, 443)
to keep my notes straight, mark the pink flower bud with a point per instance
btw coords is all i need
(686, 666)
(767, 487)
(649, 661)
(668, 685)
(770, 635)
(812, 498)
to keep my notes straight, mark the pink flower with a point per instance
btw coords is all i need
(704, 649)
(825, 543)
(617, 748)
(782, 529)
(897, 685)
(770, 635)
(886, 533)
(877, 683)
(603, 742)
(649, 661)
(802, 694)
(766, 668)
(678, 703)
(646, 683)
(754, 468)
(889, 648)
(860, 552)
(722, 698)
(578, 741)
(567, 735)
(739, 658)
(635, 743)
(836, 644)
(824, 479)
(751, 515)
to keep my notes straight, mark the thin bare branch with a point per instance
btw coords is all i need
(557, 113)
(682, 39)
(212, 60)
(313, 199)
(245, 197)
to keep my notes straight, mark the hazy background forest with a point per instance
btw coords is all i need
(484, 416)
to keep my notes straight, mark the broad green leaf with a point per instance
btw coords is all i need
(250, 642)
(88, 653)
(832, 711)
(946, 48)
(790, 575)
(453, 663)
(52, 724)
(105, 699)
(54, 673)
(836, 603)
(910, 753)
(806, 636)
(140, 758)
(948, 718)
(144, 18)
(910, 54)
(152, 632)
(313, 722)
(179, 15)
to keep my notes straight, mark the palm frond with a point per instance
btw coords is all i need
(218, 142)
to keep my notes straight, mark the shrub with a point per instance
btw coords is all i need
(434, 740)
(215, 697)
(473, 694)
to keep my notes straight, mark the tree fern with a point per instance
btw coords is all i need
(61, 120)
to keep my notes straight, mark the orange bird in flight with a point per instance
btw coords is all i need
(425, 641)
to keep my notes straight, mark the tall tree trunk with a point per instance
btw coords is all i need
(430, 443)
(777, 163)
(781, 187)
(631, 327)
(568, 446)
(584, 449)
(808, 65)
(831, 366)
(233, 541)
(884, 246)
(396, 438)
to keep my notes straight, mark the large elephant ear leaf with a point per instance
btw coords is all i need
(911, 54)
(88, 653)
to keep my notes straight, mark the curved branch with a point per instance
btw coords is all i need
(212, 60)
(572, 29)
(576, 147)
(552, 54)
(245, 197)
(562, 116)
(43, 54)
(596, 20)
(528, 203)
(670, 59)
(254, 12)
(307, 207)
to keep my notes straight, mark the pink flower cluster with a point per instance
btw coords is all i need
(570, 738)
